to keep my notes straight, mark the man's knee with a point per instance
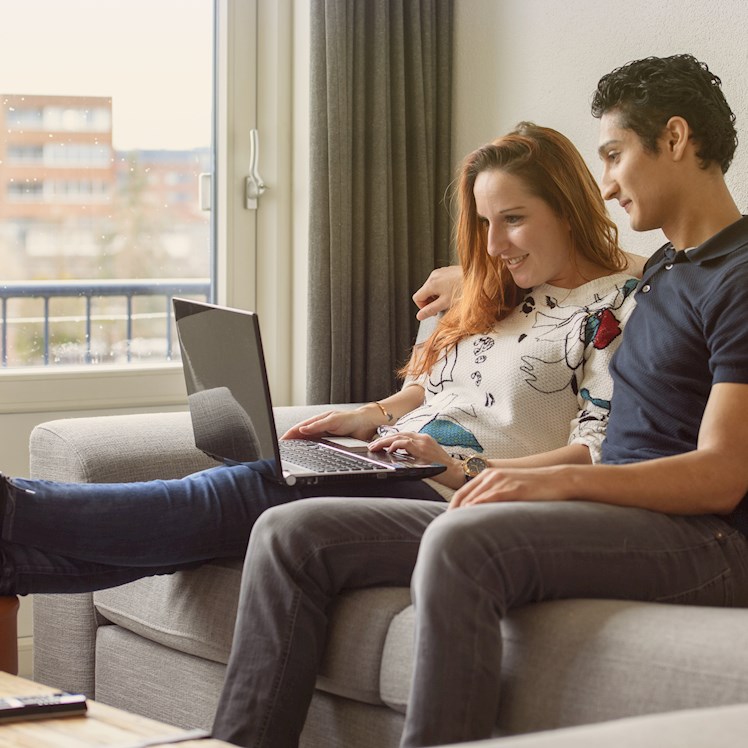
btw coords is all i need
(460, 537)
(483, 545)
(450, 547)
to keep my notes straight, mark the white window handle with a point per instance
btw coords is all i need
(205, 190)
(253, 185)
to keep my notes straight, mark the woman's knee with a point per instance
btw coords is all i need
(279, 532)
(299, 528)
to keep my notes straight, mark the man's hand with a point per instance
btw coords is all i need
(436, 294)
(512, 484)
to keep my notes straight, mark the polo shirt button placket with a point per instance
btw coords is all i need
(646, 288)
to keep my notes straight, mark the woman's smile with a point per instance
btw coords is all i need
(512, 262)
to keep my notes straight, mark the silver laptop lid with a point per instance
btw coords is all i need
(226, 380)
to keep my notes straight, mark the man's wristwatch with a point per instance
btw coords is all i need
(473, 465)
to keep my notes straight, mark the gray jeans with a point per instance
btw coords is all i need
(466, 568)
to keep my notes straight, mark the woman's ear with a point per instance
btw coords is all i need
(676, 137)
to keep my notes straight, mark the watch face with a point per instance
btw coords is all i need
(474, 465)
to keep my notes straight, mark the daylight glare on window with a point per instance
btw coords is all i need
(106, 111)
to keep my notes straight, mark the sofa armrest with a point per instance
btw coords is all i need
(97, 450)
(125, 448)
(120, 448)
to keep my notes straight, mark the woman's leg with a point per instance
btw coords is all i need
(205, 515)
(299, 558)
(65, 537)
(478, 562)
(33, 571)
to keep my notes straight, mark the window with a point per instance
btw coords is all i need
(103, 138)
(253, 39)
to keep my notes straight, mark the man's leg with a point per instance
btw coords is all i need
(299, 557)
(478, 562)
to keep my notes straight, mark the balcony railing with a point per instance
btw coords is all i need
(89, 290)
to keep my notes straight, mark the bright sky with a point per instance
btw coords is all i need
(152, 57)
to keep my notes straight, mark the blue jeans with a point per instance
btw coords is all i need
(466, 568)
(75, 537)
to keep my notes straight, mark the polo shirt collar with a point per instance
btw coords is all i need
(732, 237)
(728, 240)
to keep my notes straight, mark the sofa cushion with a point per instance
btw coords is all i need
(359, 625)
(397, 656)
(578, 661)
(193, 612)
(572, 662)
(190, 611)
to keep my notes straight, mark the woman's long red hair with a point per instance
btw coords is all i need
(553, 170)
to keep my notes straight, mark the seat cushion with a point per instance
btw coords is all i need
(359, 626)
(572, 662)
(194, 611)
(190, 611)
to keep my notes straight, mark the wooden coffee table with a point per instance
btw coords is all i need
(101, 726)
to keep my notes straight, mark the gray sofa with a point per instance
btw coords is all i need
(158, 646)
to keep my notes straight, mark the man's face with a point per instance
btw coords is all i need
(634, 176)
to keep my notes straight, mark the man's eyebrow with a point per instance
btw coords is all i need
(604, 147)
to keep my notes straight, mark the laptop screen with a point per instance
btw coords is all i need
(227, 388)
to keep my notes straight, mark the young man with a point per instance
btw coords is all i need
(663, 517)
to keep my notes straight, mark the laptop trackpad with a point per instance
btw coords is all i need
(348, 442)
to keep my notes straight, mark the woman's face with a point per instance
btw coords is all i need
(524, 233)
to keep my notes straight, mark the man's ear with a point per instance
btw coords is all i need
(676, 137)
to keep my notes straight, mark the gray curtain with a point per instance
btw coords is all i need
(380, 168)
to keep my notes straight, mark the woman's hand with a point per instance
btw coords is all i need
(424, 447)
(361, 423)
(513, 484)
(356, 423)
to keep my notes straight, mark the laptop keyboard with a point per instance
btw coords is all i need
(320, 459)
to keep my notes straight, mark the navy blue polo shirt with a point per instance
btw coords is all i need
(688, 332)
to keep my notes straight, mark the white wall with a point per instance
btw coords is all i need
(540, 60)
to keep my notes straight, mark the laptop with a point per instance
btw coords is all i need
(232, 413)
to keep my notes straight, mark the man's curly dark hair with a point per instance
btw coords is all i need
(647, 93)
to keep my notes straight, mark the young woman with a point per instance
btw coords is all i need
(516, 374)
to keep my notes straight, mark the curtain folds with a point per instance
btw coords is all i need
(380, 168)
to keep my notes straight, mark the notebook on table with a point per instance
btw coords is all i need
(232, 412)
